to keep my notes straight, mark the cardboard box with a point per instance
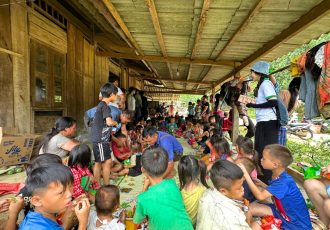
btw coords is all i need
(15, 148)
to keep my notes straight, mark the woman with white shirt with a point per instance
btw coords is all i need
(266, 112)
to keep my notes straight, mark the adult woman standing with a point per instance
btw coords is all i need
(266, 112)
(58, 141)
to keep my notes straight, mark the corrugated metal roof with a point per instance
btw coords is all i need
(179, 22)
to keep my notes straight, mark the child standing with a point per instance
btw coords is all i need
(221, 207)
(101, 133)
(289, 204)
(79, 159)
(192, 175)
(107, 200)
(162, 203)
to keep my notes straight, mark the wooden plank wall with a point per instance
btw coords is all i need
(6, 69)
(88, 75)
(44, 30)
(102, 68)
(21, 76)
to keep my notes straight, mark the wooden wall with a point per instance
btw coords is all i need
(6, 69)
(21, 76)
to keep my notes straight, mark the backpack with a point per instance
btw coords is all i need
(282, 112)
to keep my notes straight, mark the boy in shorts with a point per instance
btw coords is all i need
(101, 133)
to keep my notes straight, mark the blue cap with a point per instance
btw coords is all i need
(261, 67)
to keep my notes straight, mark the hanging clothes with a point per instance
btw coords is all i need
(324, 84)
(310, 61)
(307, 94)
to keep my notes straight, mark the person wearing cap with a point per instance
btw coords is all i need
(266, 106)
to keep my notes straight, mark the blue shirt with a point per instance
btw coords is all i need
(34, 221)
(290, 205)
(170, 144)
(115, 113)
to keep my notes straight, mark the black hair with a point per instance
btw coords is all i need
(130, 126)
(262, 78)
(107, 89)
(149, 131)
(222, 146)
(154, 160)
(198, 100)
(223, 173)
(120, 135)
(106, 199)
(215, 138)
(42, 160)
(131, 89)
(80, 155)
(60, 124)
(128, 114)
(294, 87)
(206, 127)
(112, 78)
(248, 147)
(40, 178)
(189, 169)
(189, 103)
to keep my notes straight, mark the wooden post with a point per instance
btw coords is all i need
(235, 130)
(213, 96)
(21, 76)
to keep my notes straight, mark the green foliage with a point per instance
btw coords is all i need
(185, 98)
(305, 152)
(284, 77)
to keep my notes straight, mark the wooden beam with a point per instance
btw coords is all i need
(314, 14)
(169, 79)
(158, 88)
(160, 39)
(3, 50)
(181, 60)
(121, 24)
(176, 92)
(241, 28)
(202, 20)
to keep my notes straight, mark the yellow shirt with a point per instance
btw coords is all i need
(191, 201)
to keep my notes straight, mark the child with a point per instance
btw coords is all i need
(222, 207)
(172, 126)
(205, 135)
(107, 200)
(250, 167)
(50, 188)
(226, 124)
(222, 148)
(135, 168)
(101, 133)
(121, 150)
(79, 159)
(198, 109)
(191, 173)
(246, 149)
(289, 204)
(162, 203)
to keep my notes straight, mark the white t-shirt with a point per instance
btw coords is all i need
(114, 224)
(265, 92)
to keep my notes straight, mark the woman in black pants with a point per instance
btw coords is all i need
(266, 106)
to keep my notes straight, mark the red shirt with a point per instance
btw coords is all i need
(119, 152)
(78, 173)
(226, 124)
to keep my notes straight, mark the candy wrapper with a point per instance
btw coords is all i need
(270, 223)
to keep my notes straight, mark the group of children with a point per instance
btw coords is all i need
(55, 192)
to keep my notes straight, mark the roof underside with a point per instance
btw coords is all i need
(232, 30)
